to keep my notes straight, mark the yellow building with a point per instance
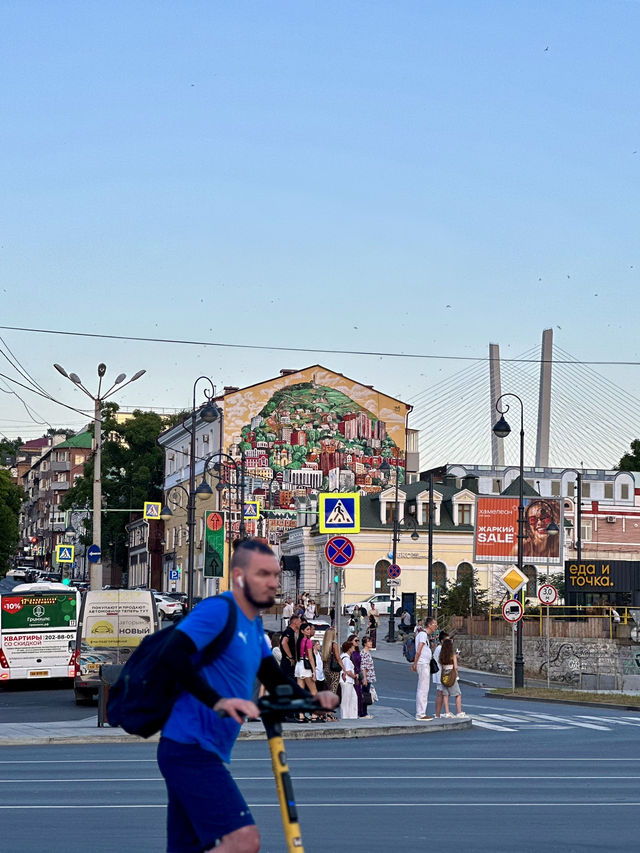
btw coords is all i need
(307, 569)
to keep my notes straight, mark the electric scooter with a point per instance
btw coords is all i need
(273, 710)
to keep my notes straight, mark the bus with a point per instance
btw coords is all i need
(38, 624)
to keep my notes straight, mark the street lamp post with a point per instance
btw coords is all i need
(238, 483)
(98, 400)
(578, 517)
(502, 430)
(432, 472)
(385, 468)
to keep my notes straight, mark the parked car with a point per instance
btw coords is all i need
(382, 601)
(168, 608)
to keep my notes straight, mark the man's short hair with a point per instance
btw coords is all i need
(243, 549)
(430, 621)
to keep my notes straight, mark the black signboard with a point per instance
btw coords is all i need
(602, 576)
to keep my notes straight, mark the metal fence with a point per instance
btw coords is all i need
(575, 622)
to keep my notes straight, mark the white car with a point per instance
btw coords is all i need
(168, 608)
(382, 601)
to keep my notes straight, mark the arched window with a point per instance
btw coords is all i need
(381, 575)
(531, 589)
(464, 572)
(439, 575)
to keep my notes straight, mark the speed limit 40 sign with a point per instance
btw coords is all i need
(547, 593)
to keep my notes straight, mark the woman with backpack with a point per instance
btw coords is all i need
(449, 685)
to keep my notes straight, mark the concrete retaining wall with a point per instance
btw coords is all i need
(592, 664)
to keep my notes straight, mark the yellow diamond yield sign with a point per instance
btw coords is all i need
(514, 579)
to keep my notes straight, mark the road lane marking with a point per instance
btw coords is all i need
(331, 778)
(335, 804)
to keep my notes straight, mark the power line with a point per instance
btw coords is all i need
(271, 348)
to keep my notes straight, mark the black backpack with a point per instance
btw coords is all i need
(142, 698)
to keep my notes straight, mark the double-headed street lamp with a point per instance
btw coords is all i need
(386, 469)
(98, 400)
(502, 430)
(237, 485)
(208, 413)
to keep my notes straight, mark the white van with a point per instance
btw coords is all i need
(113, 622)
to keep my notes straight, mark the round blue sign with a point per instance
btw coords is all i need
(94, 553)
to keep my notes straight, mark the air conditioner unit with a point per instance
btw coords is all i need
(611, 519)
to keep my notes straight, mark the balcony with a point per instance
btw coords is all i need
(61, 466)
(59, 486)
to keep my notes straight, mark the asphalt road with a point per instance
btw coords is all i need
(526, 777)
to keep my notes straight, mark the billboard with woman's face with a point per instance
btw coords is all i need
(496, 533)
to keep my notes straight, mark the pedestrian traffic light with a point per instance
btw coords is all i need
(336, 577)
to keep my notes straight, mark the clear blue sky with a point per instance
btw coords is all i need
(399, 176)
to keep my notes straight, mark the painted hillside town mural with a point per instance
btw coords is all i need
(310, 431)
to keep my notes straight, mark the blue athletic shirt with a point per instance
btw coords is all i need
(231, 674)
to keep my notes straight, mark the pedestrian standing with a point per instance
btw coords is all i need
(374, 622)
(368, 669)
(317, 656)
(349, 699)
(357, 620)
(331, 659)
(357, 667)
(448, 665)
(421, 666)
(436, 675)
(289, 646)
(287, 613)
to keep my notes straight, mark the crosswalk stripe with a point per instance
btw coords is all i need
(570, 722)
(608, 720)
(484, 725)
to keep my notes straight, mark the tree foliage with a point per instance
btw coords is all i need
(455, 599)
(631, 461)
(8, 449)
(11, 497)
(132, 473)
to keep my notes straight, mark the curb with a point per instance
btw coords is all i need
(554, 701)
(290, 734)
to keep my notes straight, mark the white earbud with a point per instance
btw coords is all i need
(240, 581)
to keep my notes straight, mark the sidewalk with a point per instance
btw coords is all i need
(386, 721)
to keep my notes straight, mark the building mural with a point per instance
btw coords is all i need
(309, 431)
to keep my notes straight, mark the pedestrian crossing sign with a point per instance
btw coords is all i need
(339, 512)
(65, 553)
(151, 510)
(251, 510)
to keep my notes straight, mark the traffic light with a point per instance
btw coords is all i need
(66, 581)
(336, 577)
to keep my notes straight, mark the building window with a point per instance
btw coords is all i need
(464, 572)
(624, 491)
(555, 488)
(497, 486)
(440, 575)
(424, 514)
(608, 491)
(389, 508)
(464, 513)
(586, 530)
(586, 490)
(571, 489)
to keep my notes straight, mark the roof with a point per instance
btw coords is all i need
(290, 373)
(513, 489)
(82, 439)
(370, 508)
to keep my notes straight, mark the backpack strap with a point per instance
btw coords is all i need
(217, 646)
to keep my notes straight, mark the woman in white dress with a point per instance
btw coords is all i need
(349, 700)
